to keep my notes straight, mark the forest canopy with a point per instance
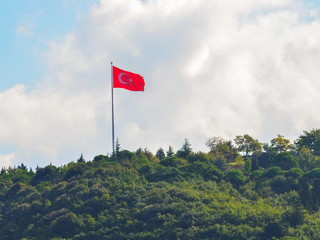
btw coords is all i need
(239, 189)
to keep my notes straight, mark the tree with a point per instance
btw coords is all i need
(160, 153)
(294, 173)
(311, 140)
(236, 177)
(48, 173)
(280, 144)
(22, 167)
(294, 216)
(316, 194)
(170, 151)
(221, 163)
(279, 185)
(173, 161)
(247, 165)
(199, 156)
(307, 160)
(247, 144)
(285, 161)
(118, 149)
(218, 145)
(185, 150)
(272, 172)
(81, 159)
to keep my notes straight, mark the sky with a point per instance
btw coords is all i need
(212, 68)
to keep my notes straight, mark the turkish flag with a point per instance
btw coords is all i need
(127, 80)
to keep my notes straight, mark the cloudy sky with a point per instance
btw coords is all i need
(211, 67)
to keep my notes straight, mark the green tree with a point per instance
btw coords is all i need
(81, 159)
(285, 161)
(118, 150)
(294, 173)
(272, 172)
(160, 153)
(247, 165)
(218, 145)
(311, 140)
(247, 144)
(185, 150)
(173, 161)
(307, 160)
(236, 177)
(295, 216)
(221, 163)
(170, 151)
(316, 194)
(48, 173)
(279, 185)
(280, 144)
(305, 193)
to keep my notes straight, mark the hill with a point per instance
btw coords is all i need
(263, 193)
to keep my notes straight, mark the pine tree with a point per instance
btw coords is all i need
(170, 151)
(160, 154)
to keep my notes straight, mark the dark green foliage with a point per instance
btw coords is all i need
(215, 195)
(279, 185)
(170, 152)
(294, 173)
(311, 140)
(81, 159)
(265, 159)
(257, 174)
(125, 154)
(272, 172)
(305, 193)
(285, 161)
(294, 216)
(314, 173)
(221, 163)
(273, 230)
(199, 156)
(236, 177)
(100, 158)
(76, 170)
(316, 194)
(160, 154)
(173, 161)
(48, 173)
(247, 165)
(185, 149)
(201, 169)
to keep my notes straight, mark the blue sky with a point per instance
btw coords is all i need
(26, 28)
(211, 69)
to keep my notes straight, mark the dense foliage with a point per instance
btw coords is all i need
(240, 189)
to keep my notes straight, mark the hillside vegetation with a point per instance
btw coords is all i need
(239, 189)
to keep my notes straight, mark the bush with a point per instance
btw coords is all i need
(272, 172)
(279, 185)
(314, 173)
(236, 177)
(256, 174)
(294, 173)
(173, 161)
(205, 170)
(285, 161)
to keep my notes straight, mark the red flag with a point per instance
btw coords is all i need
(127, 80)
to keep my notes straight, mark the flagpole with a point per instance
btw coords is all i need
(112, 109)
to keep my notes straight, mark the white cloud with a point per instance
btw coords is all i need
(212, 68)
(6, 160)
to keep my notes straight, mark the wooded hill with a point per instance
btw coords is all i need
(240, 189)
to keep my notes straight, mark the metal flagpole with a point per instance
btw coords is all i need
(112, 109)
